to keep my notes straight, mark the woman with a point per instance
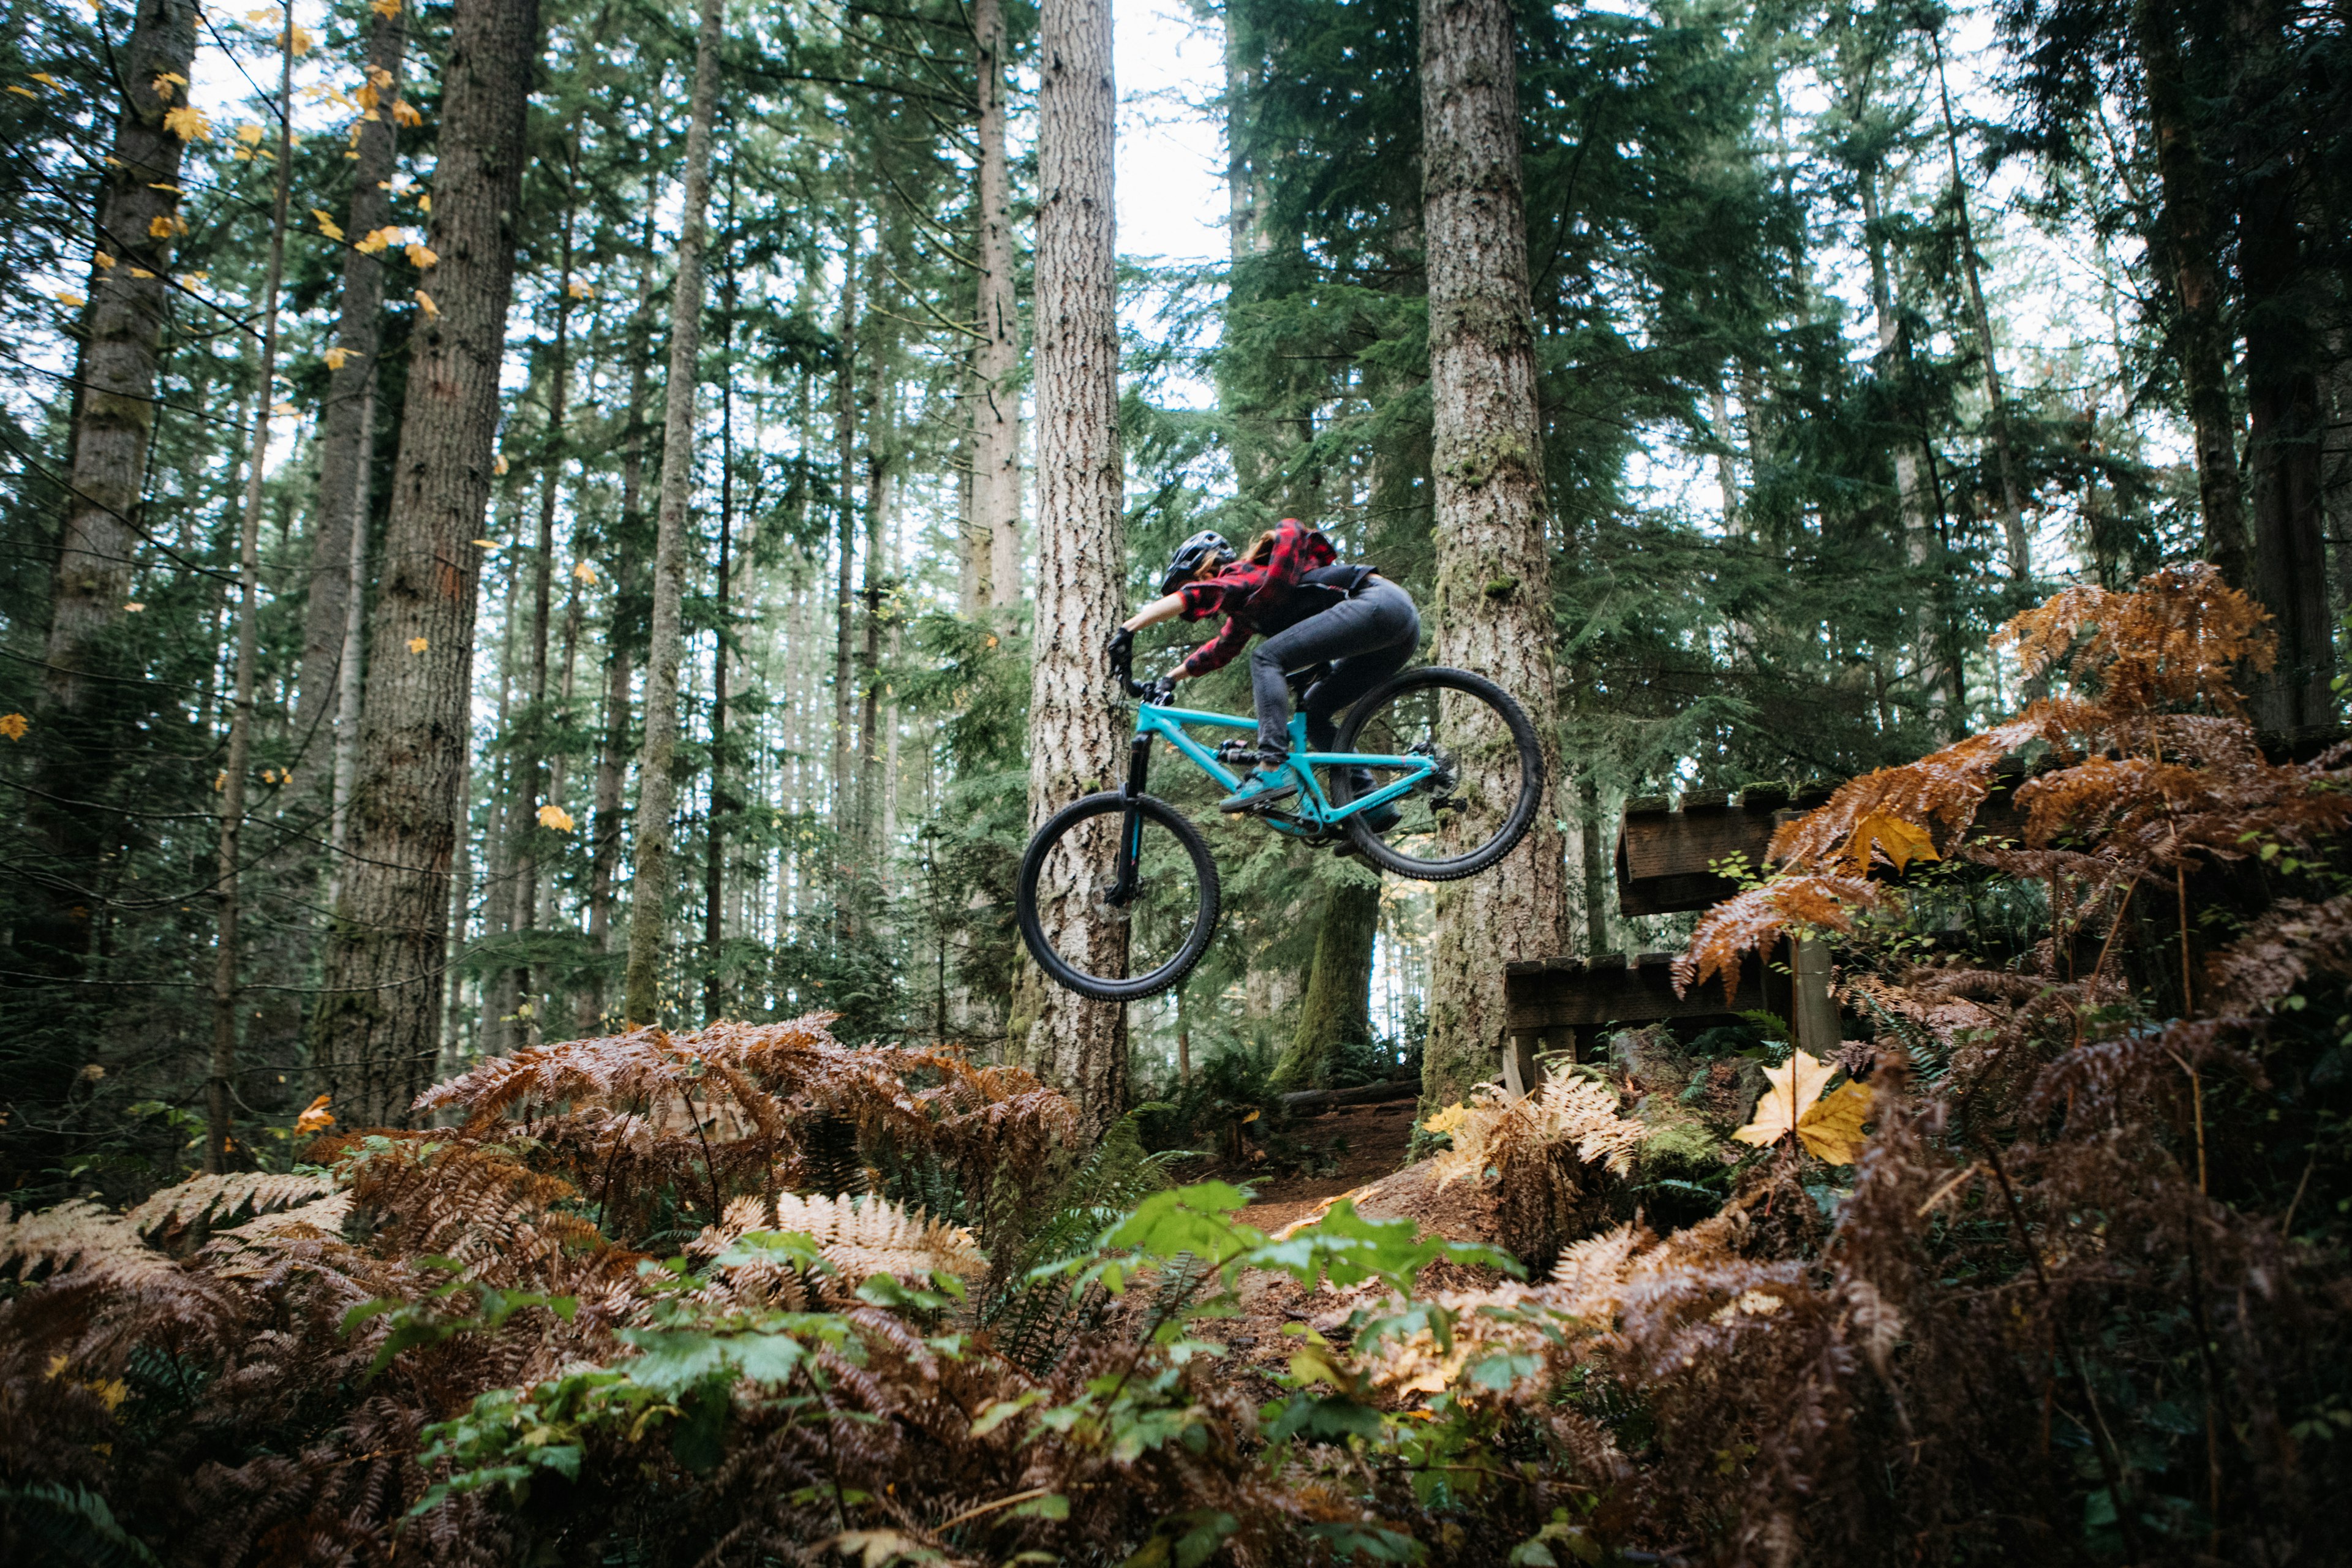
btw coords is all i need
(1309, 610)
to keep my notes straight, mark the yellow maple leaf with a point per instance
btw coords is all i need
(378, 78)
(282, 410)
(135, 607)
(327, 225)
(424, 303)
(165, 83)
(1447, 1119)
(1794, 1088)
(585, 571)
(45, 80)
(14, 725)
(302, 40)
(22, 91)
(103, 261)
(405, 113)
(497, 462)
(377, 239)
(316, 1119)
(418, 645)
(195, 280)
(164, 225)
(387, 9)
(422, 256)
(425, 201)
(486, 543)
(187, 122)
(70, 299)
(1832, 1126)
(337, 357)
(555, 816)
(141, 272)
(581, 289)
(250, 132)
(1899, 840)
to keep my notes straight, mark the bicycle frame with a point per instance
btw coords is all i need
(1316, 815)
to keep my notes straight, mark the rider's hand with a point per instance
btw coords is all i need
(1161, 689)
(1121, 647)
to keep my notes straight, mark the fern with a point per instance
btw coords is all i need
(71, 1525)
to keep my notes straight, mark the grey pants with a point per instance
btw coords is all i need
(1365, 640)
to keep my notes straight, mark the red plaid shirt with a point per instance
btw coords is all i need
(1245, 590)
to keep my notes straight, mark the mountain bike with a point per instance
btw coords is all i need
(1437, 776)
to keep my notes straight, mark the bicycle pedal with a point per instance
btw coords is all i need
(1344, 850)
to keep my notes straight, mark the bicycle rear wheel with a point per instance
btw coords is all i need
(1103, 942)
(1482, 797)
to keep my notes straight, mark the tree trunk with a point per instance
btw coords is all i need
(84, 707)
(353, 662)
(649, 887)
(845, 452)
(1337, 1008)
(2188, 245)
(538, 720)
(1074, 737)
(996, 404)
(217, 1088)
(346, 433)
(2285, 304)
(2012, 506)
(613, 749)
(723, 800)
(376, 1026)
(1919, 542)
(1493, 571)
(880, 459)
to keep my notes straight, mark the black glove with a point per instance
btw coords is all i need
(1161, 691)
(1121, 646)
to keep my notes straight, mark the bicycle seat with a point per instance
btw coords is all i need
(1300, 680)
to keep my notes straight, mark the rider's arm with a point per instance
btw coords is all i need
(1152, 614)
(1216, 653)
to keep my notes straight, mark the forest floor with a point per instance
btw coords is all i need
(1354, 1153)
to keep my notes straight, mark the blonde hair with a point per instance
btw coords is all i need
(1261, 549)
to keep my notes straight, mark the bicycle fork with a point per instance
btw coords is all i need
(1131, 822)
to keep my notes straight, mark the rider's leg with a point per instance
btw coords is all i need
(1380, 623)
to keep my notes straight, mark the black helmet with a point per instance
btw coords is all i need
(1204, 549)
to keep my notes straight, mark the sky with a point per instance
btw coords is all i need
(1170, 179)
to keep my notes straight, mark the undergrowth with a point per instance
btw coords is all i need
(752, 1295)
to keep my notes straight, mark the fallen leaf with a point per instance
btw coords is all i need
(1900, 841)
(418, 645)
(1794, 1088)
(315, 1119)
(14, 725)
(1832, 1126)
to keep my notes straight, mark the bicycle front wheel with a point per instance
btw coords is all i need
(1479, 798)
(1097, 938)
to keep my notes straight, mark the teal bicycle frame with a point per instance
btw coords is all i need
(1318, 815)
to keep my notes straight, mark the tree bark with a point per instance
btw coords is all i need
(1337, 1008)
(649, 887)
(218, 1120)
(845, 453)
(352, 662)
(376, 1030)
(1493, 607)
(996, 406)
(2285, 304)
(2188, 246)
(1075, 739)
(2012, 506)
(538, 719)
(345, 434)
(115, 420)
(613, 749)
(722, 798)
